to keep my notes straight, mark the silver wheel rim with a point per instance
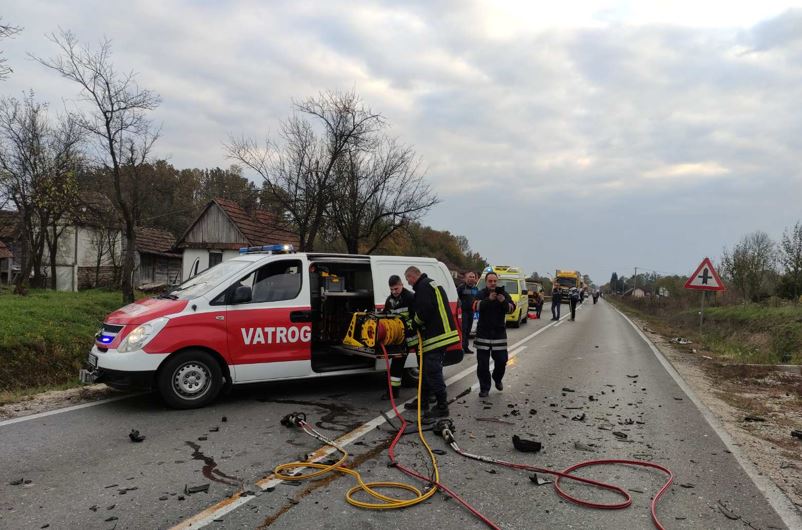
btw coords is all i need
(192, 380)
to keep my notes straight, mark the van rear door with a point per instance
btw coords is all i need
(268, 321)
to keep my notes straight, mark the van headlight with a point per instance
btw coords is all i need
(141, 335)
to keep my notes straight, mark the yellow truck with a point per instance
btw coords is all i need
(566, 280)
(514, 282)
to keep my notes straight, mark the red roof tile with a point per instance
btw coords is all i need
(155, 241)
(4, 251)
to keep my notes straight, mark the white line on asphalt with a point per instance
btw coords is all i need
(65, 409)
(781, 504)
(230, 504)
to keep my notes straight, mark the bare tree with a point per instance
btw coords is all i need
(6, 31)
(37, 175)
(298, 173)
(749, 262)
(790, 256)
(124, 136)
(377, 190)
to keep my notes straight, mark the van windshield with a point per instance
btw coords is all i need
(567, 282)
(511, 286)
(208, 279)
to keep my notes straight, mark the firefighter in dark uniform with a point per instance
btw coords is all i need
(437, 328)
(467, 292)
(493, 305)
(401, 302)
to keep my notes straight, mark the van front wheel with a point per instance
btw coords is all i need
(190, 379)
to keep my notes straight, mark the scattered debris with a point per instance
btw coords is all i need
(135, 436)
(579, 417)
(632, 376)
(526, 446)
(189, 490)
(566, 389)
(163, 498)
(439, 452)
(539, 481)
(621, 435)
(687, 485)
(224, 419)
(110, 519)
(93, 508)
(636, 490)
(677, 398)
(532, 412)
(202, 438)
(495, 420)
(582, 447)
(796, 434)
(214, 429)
(754, 418)
(727, 513)
(491, 471)
(17, 482)
(681, 340)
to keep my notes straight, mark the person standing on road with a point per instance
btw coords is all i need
(401, 303)
(467, 292)
(573, 300)
(538, 303)
(493, 305)
(436, 324)
(556, 301)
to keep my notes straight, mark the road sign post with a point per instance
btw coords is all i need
(704, 279)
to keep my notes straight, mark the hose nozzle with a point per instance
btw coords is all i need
(293, 419)
(445, 429)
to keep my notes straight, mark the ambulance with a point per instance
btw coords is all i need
(514, 282)
(268, 314)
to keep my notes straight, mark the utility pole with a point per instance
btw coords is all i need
(636, 282)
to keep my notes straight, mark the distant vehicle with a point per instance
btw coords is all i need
(514, 283)
(567, 280)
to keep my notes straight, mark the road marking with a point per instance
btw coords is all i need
(229, 504)
(65, 409)
(781, 504)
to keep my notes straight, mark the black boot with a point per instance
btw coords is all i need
(438, 411)
(413, 405)
(396, 393)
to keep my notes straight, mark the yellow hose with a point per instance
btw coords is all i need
(387, 503)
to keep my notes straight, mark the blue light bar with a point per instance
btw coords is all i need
(106, 339)
(274, 249)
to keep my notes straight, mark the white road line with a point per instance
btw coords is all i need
(65, 409)
(781, 504)
(230, 504)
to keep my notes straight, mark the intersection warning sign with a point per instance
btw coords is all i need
(705, 278)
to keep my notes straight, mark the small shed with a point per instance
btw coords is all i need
(157, 262)
(222, 228)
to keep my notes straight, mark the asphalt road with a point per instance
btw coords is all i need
(84, 472)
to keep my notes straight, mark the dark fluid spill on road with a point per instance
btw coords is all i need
(337, 418)
(210, 470)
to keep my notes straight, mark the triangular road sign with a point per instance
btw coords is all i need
(705, 278)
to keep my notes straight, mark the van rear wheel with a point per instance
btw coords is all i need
(190, 379)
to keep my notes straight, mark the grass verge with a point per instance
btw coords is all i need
(45, 336)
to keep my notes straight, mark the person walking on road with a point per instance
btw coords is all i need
(467, 292)
(538, 303)
(401, 303)
(493, 305)
(436, 324)
(573, 300)
(556, 301)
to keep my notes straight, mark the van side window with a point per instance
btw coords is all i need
(276, 281)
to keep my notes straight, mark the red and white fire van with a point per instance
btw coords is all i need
(260, 316)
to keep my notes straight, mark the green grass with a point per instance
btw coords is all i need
(752, 333)
(45, 336)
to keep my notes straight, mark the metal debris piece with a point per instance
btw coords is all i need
(619, 434)
(135, 436)
(796, 434)
(537, 480)
(566, 389)
(189, 490)
(526, 446)
(582, 447)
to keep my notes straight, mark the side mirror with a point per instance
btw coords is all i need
(241, 295)
(525, 291)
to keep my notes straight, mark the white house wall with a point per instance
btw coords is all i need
(202, 255)
(68, 260)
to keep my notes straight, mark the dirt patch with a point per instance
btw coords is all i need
(56, 399)
(758, 406)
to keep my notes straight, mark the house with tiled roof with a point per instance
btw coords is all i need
(222, 228)
(157, 261)
(9, 245)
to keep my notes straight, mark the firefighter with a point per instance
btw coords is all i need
(401, 302)
(574, 298)
(467, 292)
(436, 324)
(493, 305)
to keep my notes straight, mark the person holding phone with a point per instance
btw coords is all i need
(493, 305)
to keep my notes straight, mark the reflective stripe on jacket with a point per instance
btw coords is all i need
(433, 315)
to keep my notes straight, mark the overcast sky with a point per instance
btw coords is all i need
(598, 136)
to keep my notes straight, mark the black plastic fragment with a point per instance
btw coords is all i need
(526, 446)
(189, 490)
(135, 436)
